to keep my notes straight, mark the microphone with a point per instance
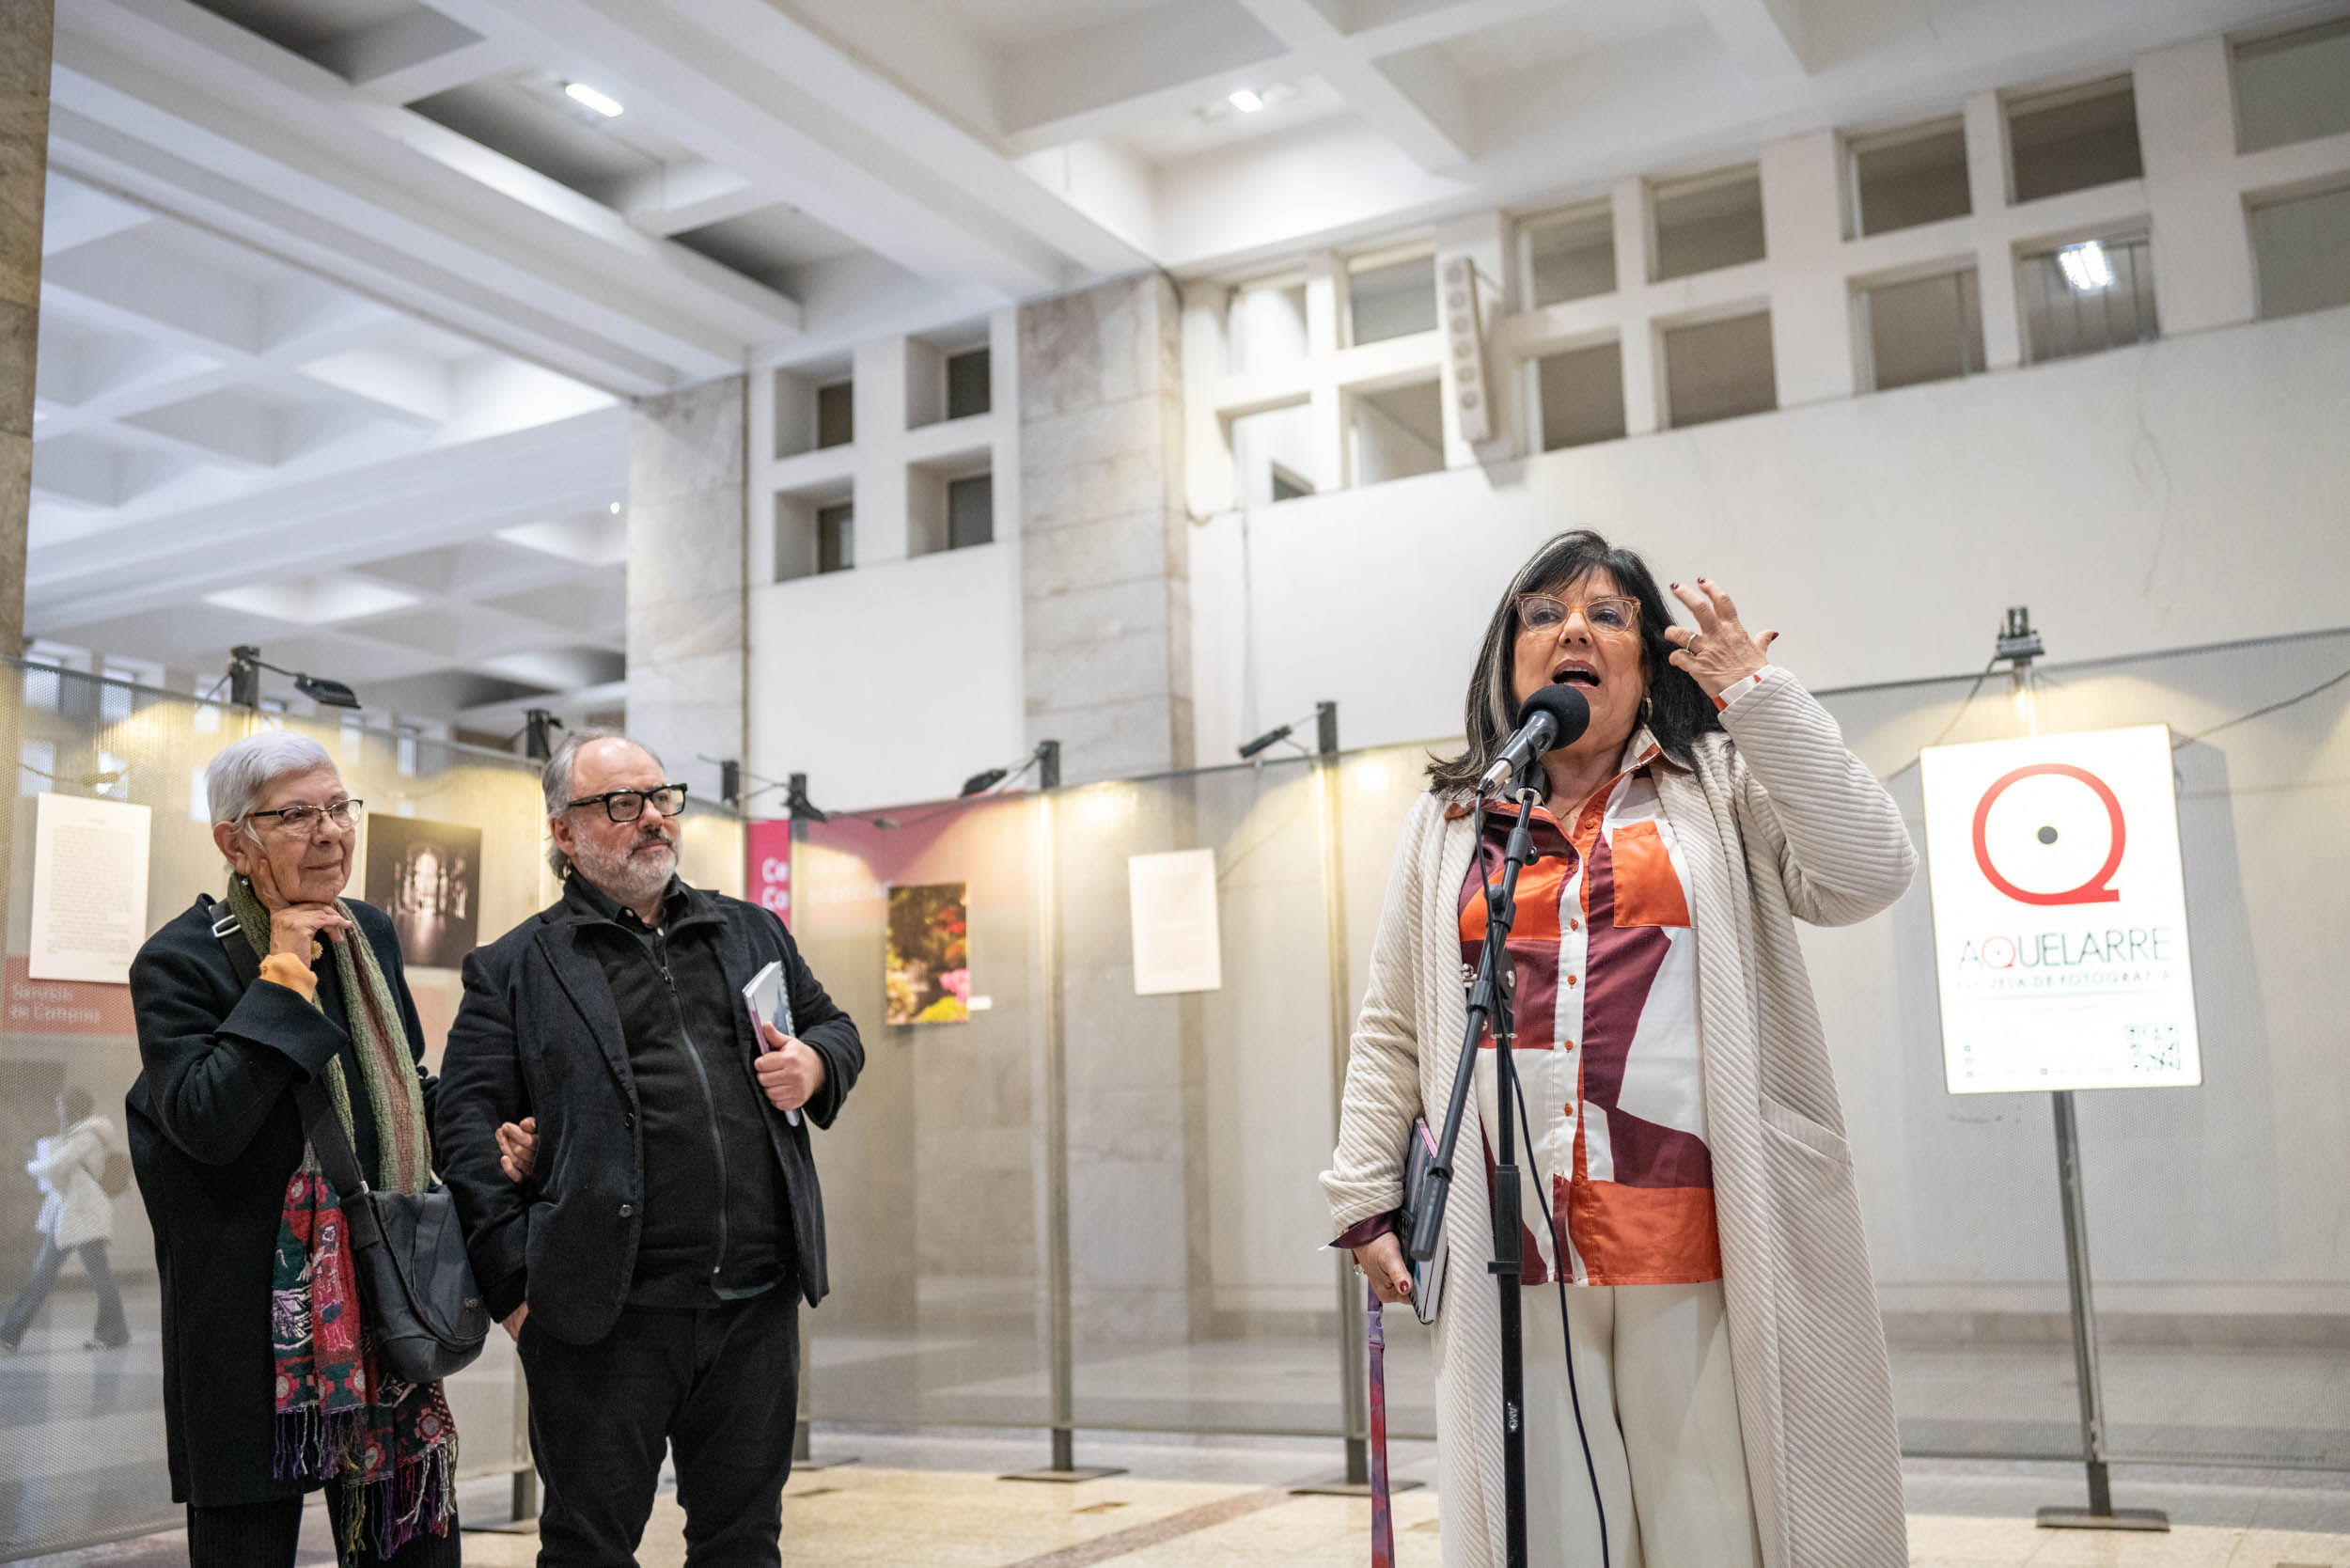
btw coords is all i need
(1554, 716)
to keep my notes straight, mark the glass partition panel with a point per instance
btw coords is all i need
(450, 845)
(933, 1177)
(1204, 1297)
(2219, 1228)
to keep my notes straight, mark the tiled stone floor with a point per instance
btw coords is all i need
(934, 1501)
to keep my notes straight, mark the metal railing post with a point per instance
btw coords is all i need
(1354, 1329)
(1053, 1003)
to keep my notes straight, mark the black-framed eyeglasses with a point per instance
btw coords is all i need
(302, 822)
(626, 805)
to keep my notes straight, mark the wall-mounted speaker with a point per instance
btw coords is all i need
(1465, 344)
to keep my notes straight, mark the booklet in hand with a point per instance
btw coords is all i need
(1427, 1277)
(770, 1004)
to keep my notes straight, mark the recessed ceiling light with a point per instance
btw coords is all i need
(604, 103)
(1248, 100)
(616, 509)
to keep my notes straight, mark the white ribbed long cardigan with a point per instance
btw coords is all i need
(1776, 822)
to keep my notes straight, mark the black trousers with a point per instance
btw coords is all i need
(719, 1387)
(111, 1329)
(264, 1535)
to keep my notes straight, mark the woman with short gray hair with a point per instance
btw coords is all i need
(270, 1387)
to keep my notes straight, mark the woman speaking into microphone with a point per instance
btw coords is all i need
(1686, 1192)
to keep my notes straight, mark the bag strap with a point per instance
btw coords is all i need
(318, 1121)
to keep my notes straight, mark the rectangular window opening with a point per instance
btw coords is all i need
(1923, 329)
(968, 389)
(1569, 254)
(1265, 325)
(2291, 86)
(1703, 222)
(1398, 432)
(1719, 370)
(1901, 179)
(1273, 456)
(836, 414)
(2087, 297)
(2301, 249)
(970, 511)
(1391, 299)
(1580, 393)
(836, 538)
(2073, 139)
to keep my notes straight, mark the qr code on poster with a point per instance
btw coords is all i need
(2153, 1047)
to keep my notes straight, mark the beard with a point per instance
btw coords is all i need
(632, 875)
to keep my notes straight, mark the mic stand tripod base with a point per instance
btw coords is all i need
(2121, 1518)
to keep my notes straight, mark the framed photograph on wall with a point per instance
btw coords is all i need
(427, 877)
(927, 973)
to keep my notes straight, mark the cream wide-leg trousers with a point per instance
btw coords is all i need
(1652, 1363)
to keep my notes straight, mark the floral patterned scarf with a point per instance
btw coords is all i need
(390, 1447)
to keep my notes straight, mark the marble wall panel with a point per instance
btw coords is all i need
(686, 539)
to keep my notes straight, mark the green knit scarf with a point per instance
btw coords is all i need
(379, 1040)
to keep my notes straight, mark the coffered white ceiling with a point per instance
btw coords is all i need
(333, 283)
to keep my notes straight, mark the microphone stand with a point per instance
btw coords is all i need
(1489, 999)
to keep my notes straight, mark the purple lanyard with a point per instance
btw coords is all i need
(1381, 1516)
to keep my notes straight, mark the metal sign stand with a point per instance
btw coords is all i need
(2020, 644)
(1064, 1467)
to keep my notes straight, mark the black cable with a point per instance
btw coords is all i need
(1964, 703)
(2263, 712)
(1545, 1191)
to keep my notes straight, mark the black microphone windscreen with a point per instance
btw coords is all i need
(1569, 709)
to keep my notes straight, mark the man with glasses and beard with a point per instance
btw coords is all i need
(651, 1263)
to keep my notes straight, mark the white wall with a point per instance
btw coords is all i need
(2188, 490)
(891, 683)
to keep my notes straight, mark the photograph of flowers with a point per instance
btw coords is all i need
(928, 976)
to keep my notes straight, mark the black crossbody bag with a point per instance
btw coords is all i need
(407, 1249)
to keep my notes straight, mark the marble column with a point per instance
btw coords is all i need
(1106, 554)
(1106, 602)
(25, 38)
(685, 489)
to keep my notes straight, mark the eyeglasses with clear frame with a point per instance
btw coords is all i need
(626, 805)
(1609, 616)
(302, 822)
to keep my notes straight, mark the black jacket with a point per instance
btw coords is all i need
(538, 1034)
(214, 1138)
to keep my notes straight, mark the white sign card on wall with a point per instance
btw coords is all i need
(1177, 943)
(2060, 913)
(89, 888)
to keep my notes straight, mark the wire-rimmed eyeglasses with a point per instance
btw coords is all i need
(302, 822)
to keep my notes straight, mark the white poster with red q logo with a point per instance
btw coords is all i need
(2060, 913)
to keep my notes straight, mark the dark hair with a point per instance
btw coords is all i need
(77, 1102)
(1678, 713)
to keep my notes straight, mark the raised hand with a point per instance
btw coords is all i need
(1721, 651)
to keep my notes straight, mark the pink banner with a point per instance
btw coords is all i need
(767, 870)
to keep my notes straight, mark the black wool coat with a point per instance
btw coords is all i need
(214, 1137)
(538, 1034)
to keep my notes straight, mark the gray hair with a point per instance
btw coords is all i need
(555, 783)
(241, 771)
